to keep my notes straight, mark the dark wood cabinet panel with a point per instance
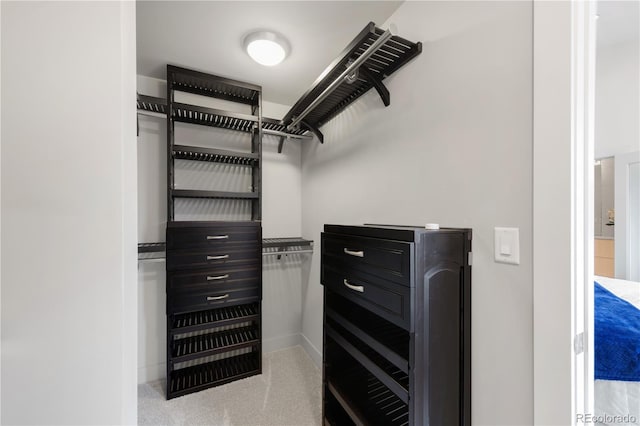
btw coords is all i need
(386, 259)
(220, 257)
(212, 234)
(187, 301)
(397, 338)
(389, 300)
(214, 277)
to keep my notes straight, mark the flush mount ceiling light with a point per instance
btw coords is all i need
(266, 47)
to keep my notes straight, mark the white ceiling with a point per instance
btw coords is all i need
(208, 35)
(618, 22)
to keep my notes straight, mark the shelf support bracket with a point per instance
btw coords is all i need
(377, 83)
(281, 144)
(313, 130)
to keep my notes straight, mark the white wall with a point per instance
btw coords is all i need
(68, 213)
(453, 148)
(281, 217)
(617, 101)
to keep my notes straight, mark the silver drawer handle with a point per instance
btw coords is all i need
(354, 253)
(224, 256)
(217, 237)
(219, 277)
(210, 298)
(359, 288)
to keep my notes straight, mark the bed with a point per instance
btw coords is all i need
(617, 351)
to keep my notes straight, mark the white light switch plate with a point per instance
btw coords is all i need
(507, 245)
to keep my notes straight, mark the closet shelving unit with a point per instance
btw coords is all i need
(214, 268)
(195, 82)
(372, 56)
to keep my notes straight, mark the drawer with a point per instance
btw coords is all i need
(215, 256)
(388, 300)
(185, 301)
(386, 259)
(214, 278)
(212, 236)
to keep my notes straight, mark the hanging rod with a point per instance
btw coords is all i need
(152, 259)
(280, 253)
(338, 81)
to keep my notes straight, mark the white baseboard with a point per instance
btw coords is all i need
(280, 342)
(152, 373)
(313, 352)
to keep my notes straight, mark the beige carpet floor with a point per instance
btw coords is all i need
(287, 393)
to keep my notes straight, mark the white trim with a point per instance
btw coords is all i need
(152, 373)
(129, 226)
(0, 217)
(582, 141)
(314, 353)
(281, 342)
(552, 214)
(562, 209)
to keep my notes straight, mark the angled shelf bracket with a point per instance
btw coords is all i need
(378, 85)
(313, 130)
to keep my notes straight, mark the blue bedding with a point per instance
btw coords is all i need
(617, 337)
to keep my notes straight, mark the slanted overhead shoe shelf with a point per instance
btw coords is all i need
(371, 57)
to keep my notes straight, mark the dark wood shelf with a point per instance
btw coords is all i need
(152, 247)
(270, 126)
(199, 377)
(380, 406)
(211, 318)
(206, 84)
(194, 153)
(211, 117)
(192, 193)
(394, 379)
(390, 341)
(193, 347)
(151, 104)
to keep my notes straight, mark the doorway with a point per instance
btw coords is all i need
(616, 389)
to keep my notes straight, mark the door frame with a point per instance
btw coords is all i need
(563, 75)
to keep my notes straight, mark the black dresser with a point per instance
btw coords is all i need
(214, 276)
(397, 326)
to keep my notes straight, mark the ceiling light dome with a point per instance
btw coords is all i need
(266, 47)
